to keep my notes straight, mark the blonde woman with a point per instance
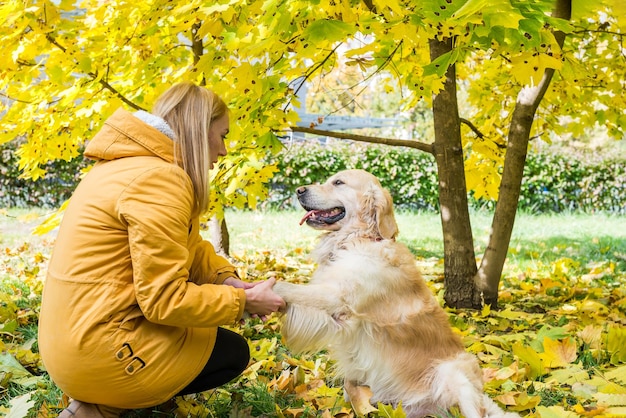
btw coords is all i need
(134, 297)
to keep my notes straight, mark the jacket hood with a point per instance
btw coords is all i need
(125, 135)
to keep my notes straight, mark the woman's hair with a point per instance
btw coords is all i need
(189, 110)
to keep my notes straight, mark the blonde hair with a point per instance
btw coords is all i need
(189, 110)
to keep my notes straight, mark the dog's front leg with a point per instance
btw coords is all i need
(313, 315)
(321, 297)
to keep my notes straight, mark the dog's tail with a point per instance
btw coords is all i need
(459, 381)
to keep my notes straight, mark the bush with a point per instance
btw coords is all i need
(552, 183)
(557, 183)
(48, 192)
(409, 175)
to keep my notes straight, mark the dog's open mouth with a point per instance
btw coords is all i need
(323, 217)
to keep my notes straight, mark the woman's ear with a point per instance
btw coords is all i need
(378, 211)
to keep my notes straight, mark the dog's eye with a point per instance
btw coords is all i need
(338, 182)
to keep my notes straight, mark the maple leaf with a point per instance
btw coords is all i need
(554, 412)
(591, 335)
(558, 353)
(616, 344)
(388, 411)
(530, 357)
(360, 399)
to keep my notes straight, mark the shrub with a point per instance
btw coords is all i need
(409, 175)
(50, 191)
(552, 182)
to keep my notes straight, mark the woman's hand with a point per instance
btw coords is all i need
(261, 299)
(238, 283)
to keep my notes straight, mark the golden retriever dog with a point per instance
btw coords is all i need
(368, 305)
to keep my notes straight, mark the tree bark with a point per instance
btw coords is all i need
(490, 271)
(220, 237)
(218, 230)
(459, 257)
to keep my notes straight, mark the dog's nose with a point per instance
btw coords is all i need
(301, 190)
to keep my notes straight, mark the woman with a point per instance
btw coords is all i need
(134, 297)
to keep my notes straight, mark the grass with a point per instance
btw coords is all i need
(536, 239)
(585, 236)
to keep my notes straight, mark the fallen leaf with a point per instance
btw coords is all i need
(360, 399)
(610, 399)
(616, 344)
(20, 406)
(554, 412)
(591, 335)
(387, 411)
(558, 353)
(618, 374)
(531, 358)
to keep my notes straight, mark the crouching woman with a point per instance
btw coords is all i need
(134, 297)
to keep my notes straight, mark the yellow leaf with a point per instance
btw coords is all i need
(294, 412)
(591, 336)
(387, 411)
(531, 358)
(528, 67)
(519, 401)
(611, 399)
(612, 388)
(558, 353)
(615, 412)
(569, 375)
(485, 311)
(52, 221)
(360, 398)
(618, 374)
(554, 412)
(589, 411)
(616, 344)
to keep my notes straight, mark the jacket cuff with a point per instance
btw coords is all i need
(242, 304)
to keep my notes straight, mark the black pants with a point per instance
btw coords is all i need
(229, 359)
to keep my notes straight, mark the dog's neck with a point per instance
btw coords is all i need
(332, 242)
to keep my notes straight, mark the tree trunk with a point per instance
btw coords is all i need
(459, 257)
(488, 276)
(218, 231)
(220, 238)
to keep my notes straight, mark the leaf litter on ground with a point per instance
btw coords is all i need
(556, 347)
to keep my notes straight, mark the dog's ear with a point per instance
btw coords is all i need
(378, 211)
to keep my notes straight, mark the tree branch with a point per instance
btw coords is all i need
(14, 99)
(422, 146)
(378, 70)
(370, 5)
(94, 76)
(472, 127)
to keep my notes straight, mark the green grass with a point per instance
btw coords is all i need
(536, 238)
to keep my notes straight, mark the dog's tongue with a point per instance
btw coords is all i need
(307, 216)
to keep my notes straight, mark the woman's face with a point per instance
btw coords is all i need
(217, 132)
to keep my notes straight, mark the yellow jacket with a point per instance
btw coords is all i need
(133, 294)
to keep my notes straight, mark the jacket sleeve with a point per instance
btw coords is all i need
(156, 208)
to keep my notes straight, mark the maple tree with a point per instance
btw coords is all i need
(70, 66)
